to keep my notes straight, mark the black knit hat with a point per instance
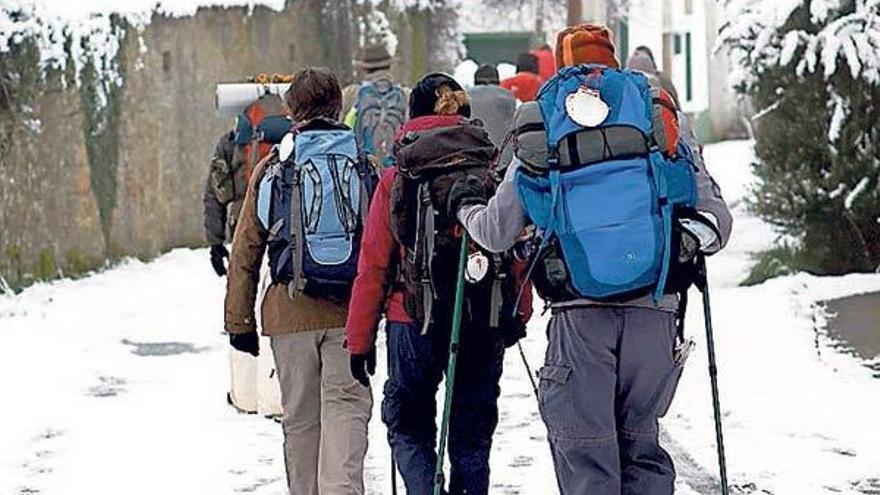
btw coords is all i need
(526, 62)
(423, 97)
(486, 74)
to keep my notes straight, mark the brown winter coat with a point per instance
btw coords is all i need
(280, 314)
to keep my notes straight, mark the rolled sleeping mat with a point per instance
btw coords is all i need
(530, 136)
(232, 98)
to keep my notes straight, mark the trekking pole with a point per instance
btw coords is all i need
(450, 369)
(525, 361)
(713, 374)
(393, 476)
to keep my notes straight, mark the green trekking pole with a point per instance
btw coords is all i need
(450, 369)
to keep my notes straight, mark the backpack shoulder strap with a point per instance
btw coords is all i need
(297, 242)
(664, 118)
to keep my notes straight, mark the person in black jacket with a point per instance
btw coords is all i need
(224, 194)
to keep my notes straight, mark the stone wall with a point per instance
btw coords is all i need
(91, 170)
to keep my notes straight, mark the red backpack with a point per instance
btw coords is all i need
(257, 129)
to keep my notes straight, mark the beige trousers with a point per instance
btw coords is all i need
(326, 413)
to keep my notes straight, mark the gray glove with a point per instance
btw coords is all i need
(706, 235)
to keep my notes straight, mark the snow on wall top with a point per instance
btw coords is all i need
(87, 24)
(83, 9)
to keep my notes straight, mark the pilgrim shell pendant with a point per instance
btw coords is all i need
(477, 267)
(586, 108)
(286, 147)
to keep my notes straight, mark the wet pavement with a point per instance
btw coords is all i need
(856, 322)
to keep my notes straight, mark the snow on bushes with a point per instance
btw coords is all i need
(759, 34)
(812, 70)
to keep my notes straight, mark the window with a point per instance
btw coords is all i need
(689, 68)
(688, 7)
(166, 61)
(677, 43)
(623, 41)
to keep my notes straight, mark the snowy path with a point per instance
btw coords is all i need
(116, 384)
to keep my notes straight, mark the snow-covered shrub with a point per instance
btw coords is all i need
(812, 69)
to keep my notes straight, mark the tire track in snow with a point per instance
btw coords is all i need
(692, 474)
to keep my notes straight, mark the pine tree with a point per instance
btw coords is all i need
(812, 69)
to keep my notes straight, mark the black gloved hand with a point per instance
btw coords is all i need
(218, 253)
(466, 190)
(512, 333)
(363, 366)
(246, 342)
(689, 246)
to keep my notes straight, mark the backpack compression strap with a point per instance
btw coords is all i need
(496, 302)
(553, 162)
(427, 275)
(666, 215)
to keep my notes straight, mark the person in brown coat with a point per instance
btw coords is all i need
(326, 411)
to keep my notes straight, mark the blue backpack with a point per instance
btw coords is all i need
(313, 201)
(381, 108)
(605, 195)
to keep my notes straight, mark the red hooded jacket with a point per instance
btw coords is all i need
(370, 294)
(524, 86)
(546, 63)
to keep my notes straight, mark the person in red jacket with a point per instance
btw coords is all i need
(416, 358)
(546, 62)
(526, 83)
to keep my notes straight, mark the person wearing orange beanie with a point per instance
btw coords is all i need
(609, 369)
(586, 44)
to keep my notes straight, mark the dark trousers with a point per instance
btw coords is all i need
(603, 385)
(416, 365)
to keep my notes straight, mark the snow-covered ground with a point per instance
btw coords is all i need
(116, 384)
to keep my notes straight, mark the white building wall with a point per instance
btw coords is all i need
(594, 11)
(655, 22)
(646, 27)
(695, 25)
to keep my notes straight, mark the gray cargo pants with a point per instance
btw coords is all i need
(603, 386)
(326, 413)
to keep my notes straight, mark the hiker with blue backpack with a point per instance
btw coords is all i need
(305, 208)
(376, 107)
(624, 209)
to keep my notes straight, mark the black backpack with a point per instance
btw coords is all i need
(429, 163)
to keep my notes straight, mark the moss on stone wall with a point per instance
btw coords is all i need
(21, 81)
(107, 159)
(100, 99)
(419, 20)
(46, 268)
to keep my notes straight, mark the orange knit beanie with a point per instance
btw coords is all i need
(585, 44)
